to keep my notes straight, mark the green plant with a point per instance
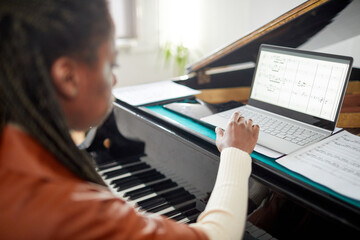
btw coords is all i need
(176, 54)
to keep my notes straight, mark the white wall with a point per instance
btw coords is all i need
(220, 23)
(142, 63)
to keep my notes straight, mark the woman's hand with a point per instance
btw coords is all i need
(239, 133)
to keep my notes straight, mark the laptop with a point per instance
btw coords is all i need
(295, 97)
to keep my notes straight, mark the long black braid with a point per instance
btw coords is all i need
(34, 33)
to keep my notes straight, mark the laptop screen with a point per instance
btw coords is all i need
(305, 82)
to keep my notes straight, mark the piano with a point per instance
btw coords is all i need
(162, 166)
(134, 175)
(150, 182)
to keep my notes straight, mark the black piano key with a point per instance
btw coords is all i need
(175, 194)
(181, 209)
(116, 166)
(163, 198)
(186, 206)
(154, 195)
(157, 188)
(192, 214)
(105, 166)
(151, 202)
(181, 199)
(185, 219)
(172, 213)
(130, 169)
(141, 186)
(129, 184)
(182, 202)
(192, 219)
(160, 207)
(173, 202)
(132, 181)
(144, 191)
(178, 217)
(177, 204)
(115, 163)
(137, 176)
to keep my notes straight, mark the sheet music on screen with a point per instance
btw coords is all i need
(309, 85)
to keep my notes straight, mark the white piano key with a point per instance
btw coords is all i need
(175, 215)
(109, 180)
(101, 172)
(144, 198)
(184, 220)
(116, 193)
(123, 192)
(164, 211)
(139, 210)
(153, 195)
(172, 208)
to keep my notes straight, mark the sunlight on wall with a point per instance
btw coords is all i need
(179, 22)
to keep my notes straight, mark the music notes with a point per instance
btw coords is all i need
(333, 162)
(308, 85)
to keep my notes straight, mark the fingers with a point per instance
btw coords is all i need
(249, 122)
(256, 130)
(219, 132)
(219, 137)
(239, 133)
(235, 116)
(238, 118)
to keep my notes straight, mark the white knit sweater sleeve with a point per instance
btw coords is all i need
(225, 214)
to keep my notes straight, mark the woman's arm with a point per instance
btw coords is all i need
(225, 214)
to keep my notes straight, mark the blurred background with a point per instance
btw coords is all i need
(156, 39)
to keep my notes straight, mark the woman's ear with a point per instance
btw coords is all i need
(66, 81)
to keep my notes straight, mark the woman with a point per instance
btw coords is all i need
(56, 62)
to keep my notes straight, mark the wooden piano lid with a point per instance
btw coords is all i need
(350, 112)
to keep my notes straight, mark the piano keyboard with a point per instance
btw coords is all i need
(151, 191)
(146, 188)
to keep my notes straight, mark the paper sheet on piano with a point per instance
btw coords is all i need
(152, 92)
(333, 162)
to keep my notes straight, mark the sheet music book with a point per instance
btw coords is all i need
(142, 94)
(333, 162)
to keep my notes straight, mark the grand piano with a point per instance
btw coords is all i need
(164, 165)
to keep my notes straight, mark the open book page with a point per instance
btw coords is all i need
(333, 162)
(152, 92)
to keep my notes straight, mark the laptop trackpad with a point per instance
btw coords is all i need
(276, 143)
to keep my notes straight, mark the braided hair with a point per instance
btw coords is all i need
(33, 34)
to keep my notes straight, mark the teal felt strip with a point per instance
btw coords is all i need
(187, 122)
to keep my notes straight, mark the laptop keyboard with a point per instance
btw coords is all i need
(285, 130)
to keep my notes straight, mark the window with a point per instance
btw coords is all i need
(125, 18)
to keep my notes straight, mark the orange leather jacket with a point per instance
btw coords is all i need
(41, 199)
